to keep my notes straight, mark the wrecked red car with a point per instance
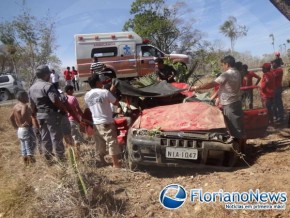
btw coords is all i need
(170, 127)
(189, 134)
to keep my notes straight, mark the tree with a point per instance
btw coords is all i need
(232, 30)
(30, 42)
(163, 25)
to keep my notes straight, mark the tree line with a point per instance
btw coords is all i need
(31, 41)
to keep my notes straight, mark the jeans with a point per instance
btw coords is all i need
(76, 84)
(75, 132)
(268, 103)
(233, 115)
(27, 142)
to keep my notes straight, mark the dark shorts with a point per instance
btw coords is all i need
(233, 114)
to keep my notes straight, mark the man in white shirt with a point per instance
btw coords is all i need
(99, 101)
(54, 78)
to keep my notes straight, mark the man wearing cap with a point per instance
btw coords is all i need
(99, 101)
(164, 71)
(45, 105)
(278, 102)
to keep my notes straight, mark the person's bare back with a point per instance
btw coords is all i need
(21, 113)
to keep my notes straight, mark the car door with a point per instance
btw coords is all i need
(146, 59)
(256, 118)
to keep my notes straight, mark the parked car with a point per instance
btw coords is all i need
(191, 134)
(9, 86)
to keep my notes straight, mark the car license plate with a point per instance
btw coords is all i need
(181, 153)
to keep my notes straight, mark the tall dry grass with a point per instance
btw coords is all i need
(40, 190)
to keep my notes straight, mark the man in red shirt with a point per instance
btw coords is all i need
(278, 59)
(278, 103)
(268, 89)
(248, 81)
(68, 76)
(248, 77)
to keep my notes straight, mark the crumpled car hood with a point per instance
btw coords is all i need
(190, 116)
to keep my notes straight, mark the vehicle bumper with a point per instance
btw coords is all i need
(146, 150)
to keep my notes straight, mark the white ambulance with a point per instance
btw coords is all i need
(125, 54)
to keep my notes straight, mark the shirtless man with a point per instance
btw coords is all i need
(22, 120)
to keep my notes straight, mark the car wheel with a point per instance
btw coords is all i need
(232, 157)
(248, 151)
(133, 166)
(4, 95)
(129, 154)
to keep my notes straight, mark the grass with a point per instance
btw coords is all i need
(49, 191)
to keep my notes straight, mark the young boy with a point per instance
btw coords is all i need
(74, 105)
(22, 120)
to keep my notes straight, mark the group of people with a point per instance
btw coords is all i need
(271, 85)
(271, 88)
(58, 115)
(229, 97)
(72, 78)
(55, 114)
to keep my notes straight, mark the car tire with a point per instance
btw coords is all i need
(133, 166)
(129, 154)
(248, 151)
(5, 95)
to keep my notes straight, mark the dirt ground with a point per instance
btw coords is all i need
(53, 191)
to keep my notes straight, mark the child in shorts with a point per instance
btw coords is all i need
(22, 120)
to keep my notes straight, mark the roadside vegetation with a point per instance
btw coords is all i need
(30, 41)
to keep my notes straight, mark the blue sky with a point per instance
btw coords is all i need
(92, 16)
